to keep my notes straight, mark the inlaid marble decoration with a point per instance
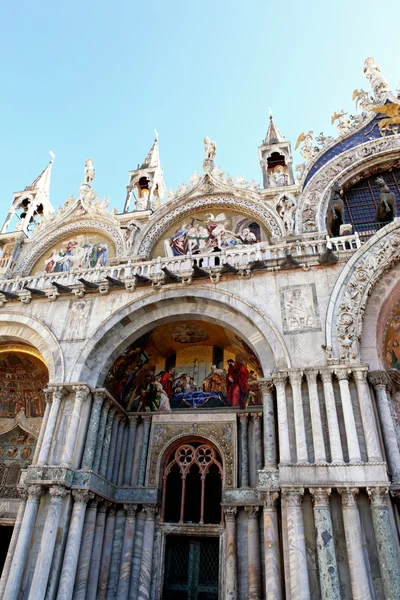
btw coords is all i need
(300, 308)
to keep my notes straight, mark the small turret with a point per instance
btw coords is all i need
(146, 183)
(33, 203)
(276, 158)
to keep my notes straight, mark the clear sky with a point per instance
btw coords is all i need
(93, 79)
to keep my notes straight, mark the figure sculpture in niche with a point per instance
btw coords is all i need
(278, 178)
(286, 209)
(335, 213)
(386, 210)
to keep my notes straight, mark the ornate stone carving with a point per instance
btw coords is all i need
(349, 496)
(35, 491)
(230, 513)
(292, 496)
(151, 510)
(378, 379)
(378, 496)
(57, 491)
(131, 509)
(321, 496)
(373, 73)
(82, 496)
(268, 498)
(279, 379)
(286, 208)
(252, 511)
(31, 426)
(81, 392)
(308, 150)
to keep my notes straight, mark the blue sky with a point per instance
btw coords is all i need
(93, 79)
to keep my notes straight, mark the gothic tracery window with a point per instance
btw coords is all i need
(192, 485)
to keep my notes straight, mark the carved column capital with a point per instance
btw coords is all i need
(360, 373)
(151, 510)
(99, 397)
(326, 376)
(292, 496)
(58, 391)
(349, 496)
(243, 418)
(342, 373)
(321, 496)
(266, 385)
(35, 491)
(131, 509)
(146, 419)
(121, 417)
(296, 376)
(379, 379)
(230, 513)
(311, 375)
(268, 498)
(48, 395)
(256, 417)
(378, 496)
(133, 419)
(81, 392)
(252, 511)
(82, 496)
(58, 491)
(107, 404)
(279, 379)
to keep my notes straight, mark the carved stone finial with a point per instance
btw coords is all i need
(373, 73)
(210, 152)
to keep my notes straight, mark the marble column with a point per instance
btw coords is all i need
(124, 446)
(316, 422)
(85, 553)
(147, 553)
(113, 446)
(348, 415)
(81, 393)
(127, 552)
(106, 441)
(13, 542)
(145, 444)
(272, 559)
(359, 576)
(266, 387)
(137, 556)
(230, 553)
(70, 563)
(116, 553)
(328, 571)
(379, 380)
(299, 585)
(367, 415)
(106, 555)
(93, 431)
(130, 450)
(244, 451)
(385, 542)
(332, 418)
(45, 554)
(23, 544)
(253, 554)
(58, 392)
(257, 436)
(48, 396)
(100, 434)
(118, 451)
(300, 430)
(95, 560)
(279, 380)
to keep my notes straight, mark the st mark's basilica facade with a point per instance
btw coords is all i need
(200, 395)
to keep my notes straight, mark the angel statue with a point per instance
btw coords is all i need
(89, 171)
(373, 73)
(343, 125)
(308, 150)
(210, 149)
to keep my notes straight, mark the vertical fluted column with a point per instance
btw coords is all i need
(279, 380)
(257, 436)
(253, 554)
(145, 446)
(100, 435)
(127, 552)
(130, 450)
(328, 572)
(21, 551)
(379, 380)
(300, 430)
(359, 578)
(348, 415)
(244, 451)
(113, 446)
(332, 418)
(13, 542)
(94, 571)
(68, 572)
(385, 543)
(45, 554)
(93, 431)
(106, 441)
(85, 554)
(118, 450)
(81, 393)
(230, 553)
(106, 554)
(316, 422)
(147, 553)
(299, 585)
(273, 587)
(367, 415)
(266, 387)
(58, 392)
(48, 395)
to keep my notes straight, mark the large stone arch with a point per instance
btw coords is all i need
(113, 336)
(346, 169)
(354, 286)
(24, 328)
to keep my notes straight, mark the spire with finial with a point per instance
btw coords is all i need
(273, 135)
(152, 159)
(275, 158)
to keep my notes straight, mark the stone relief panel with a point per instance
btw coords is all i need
(391, 340)
(300, 308)
(77, 320)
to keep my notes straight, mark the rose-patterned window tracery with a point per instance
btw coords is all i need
(192, 484)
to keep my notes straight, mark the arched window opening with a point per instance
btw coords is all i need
(192, 485)
(276, 160)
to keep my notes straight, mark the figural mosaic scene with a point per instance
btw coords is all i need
(200, 389)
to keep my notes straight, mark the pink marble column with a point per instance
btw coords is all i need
(272, 558)
(253, 554)
(230, 553)
(292, 502)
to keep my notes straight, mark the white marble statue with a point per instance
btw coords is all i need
(343, 125)
(142, 203)
(130, 234)
(210, 149)
(286, 209)
(278, 178)
(308, 150)
(90, 171)
(373, 73)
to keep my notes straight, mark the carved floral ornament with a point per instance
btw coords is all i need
(353, 165)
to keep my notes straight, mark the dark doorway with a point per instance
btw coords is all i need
(191, 568)
(5, 537)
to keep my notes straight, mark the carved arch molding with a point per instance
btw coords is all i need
(222, 435)
(346, 168)
(349, 297)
